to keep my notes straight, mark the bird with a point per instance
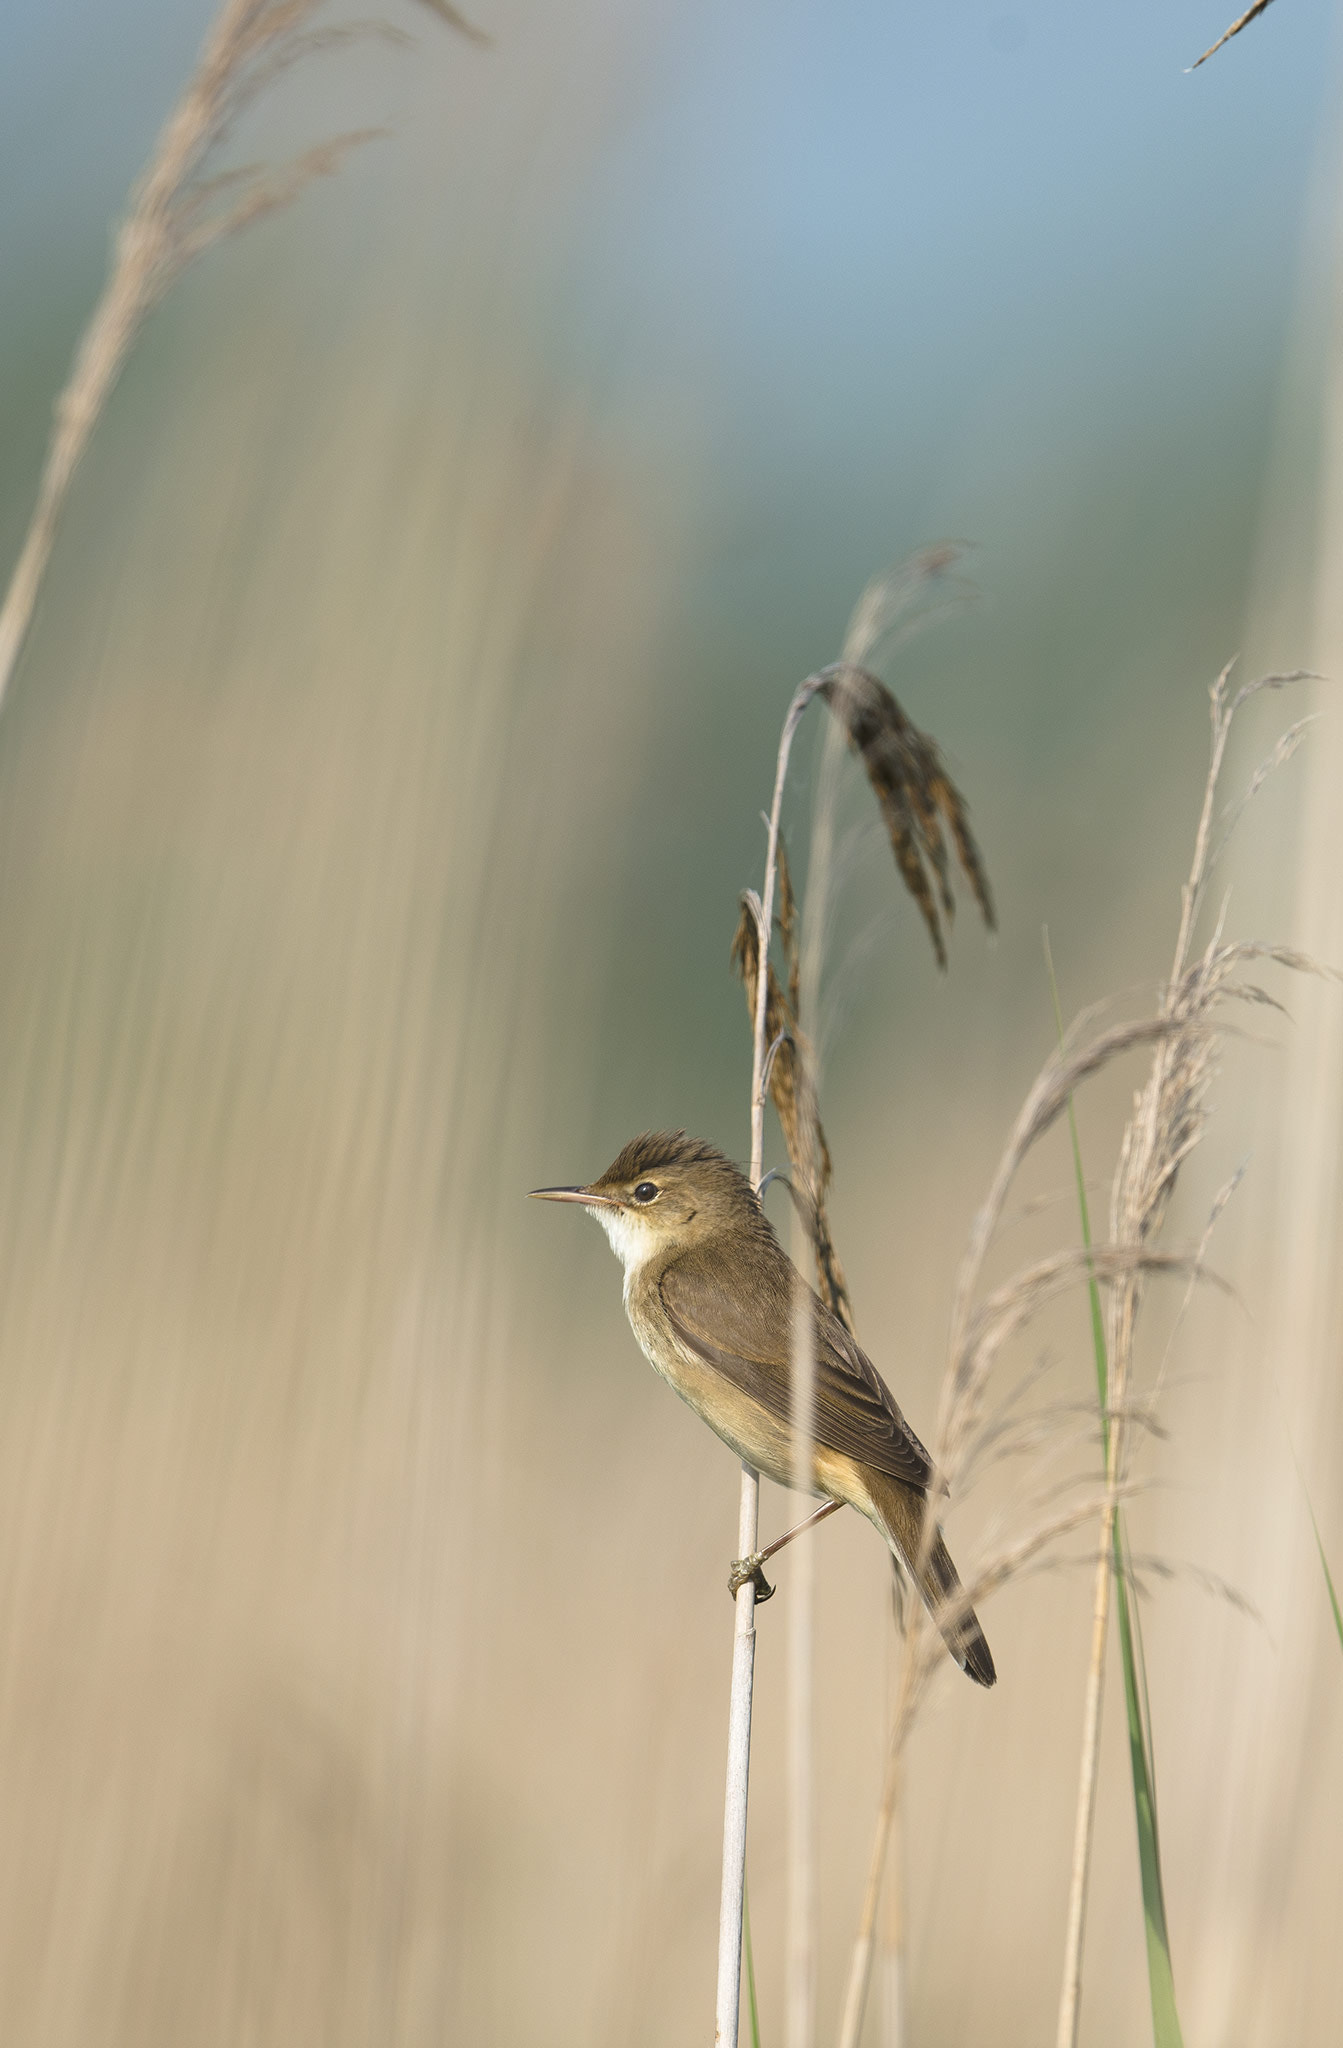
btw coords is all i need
(710, 1294)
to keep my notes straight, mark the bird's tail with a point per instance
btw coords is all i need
(902, 1511)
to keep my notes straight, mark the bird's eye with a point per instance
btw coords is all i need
(646, 1191)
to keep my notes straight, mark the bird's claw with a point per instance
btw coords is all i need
(750, 1570)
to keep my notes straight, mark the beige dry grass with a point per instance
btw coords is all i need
(264, 1027)
(286, 1393)
(179, 208)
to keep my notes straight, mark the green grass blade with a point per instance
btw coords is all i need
(1310, 1506)
(1328, 1575)
(1160, 1976)
(750, 1963)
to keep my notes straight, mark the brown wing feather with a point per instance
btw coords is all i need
(733, 1313)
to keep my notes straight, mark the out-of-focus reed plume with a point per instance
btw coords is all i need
(1168, 1121)
(176, 213)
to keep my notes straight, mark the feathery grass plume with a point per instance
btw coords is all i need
(1137, 1705)
(1243, 21)
(1169, 1117)
(175, 214)
(1182, 1037)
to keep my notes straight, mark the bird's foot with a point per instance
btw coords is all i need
(750, 1570)
(744, 1568)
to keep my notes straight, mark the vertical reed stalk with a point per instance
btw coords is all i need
(1164, 1126)
(891, 1958)
(924, 814)
(860, 1961)
(800, 2000)
(800, 1950)
(728, 2004)
(1167, 1123)
(1165, 2020)
(738, 1772)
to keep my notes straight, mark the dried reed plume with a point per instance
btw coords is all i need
(1183, 1038)
(789, 1077)
(176, 213)
(1168, 1120)
(915, 795)
(1242, 21)
(917, 798)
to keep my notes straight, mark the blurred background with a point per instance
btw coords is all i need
(376, 789)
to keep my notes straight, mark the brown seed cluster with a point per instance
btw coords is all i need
(920, 804)
(922, 808)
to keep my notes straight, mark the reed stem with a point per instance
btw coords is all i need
(728, 2006)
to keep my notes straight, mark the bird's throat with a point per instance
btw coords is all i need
(630, 1240)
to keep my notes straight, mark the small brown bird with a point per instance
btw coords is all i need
(710, 1294)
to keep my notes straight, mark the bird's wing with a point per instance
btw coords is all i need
(733, 1312)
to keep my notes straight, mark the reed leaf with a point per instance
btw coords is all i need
(1328, 1577)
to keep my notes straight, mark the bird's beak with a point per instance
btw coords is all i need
(583, 1195)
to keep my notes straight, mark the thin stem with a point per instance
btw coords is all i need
(1084, 1828)
(831, 1507)
(728, 2003)
(1192, 893)
(860, 1961)
(800, 2002)
(800, 1947)
(892, 1960)
(779, 1040)
(1140, 1176)
(738, 1774)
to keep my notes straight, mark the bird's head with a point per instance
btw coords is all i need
(663, 1193)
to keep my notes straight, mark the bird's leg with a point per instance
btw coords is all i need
(744, 1568)
(830, 1507)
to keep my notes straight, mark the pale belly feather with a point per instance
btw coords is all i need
(745, 1425)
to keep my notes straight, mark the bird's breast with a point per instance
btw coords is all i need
(744, 1424)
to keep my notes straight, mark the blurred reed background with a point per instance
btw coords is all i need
(375, 792)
